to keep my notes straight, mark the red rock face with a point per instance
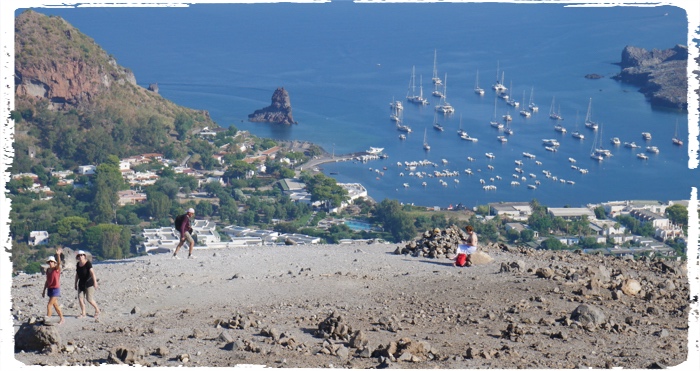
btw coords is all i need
(72, 83)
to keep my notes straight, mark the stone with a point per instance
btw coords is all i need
(225, 337)
(631, 287)
(36, 337)
(162, 352)
(588, 315)
(342, 352)
(544, 272)
(124, 355)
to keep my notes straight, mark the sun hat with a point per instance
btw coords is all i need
(190, 210)
(51, 259)
(80, 252)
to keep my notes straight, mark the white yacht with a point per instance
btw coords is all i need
(436, 79)
(502, 139)
(445, 107)
(411, 94)
(477, 89)
(646, 135)
(589, 118)
(615, 141)
(490, 155)
(653, 149)
(560, 129)
(550, 142)
(642, 156)
(631, 145)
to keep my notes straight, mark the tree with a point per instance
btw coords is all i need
(552, 244)
(69, 231)
(678, 214)
(158, 205)
(106, 241)
(395, 220)
(108, 180)
(527, 235)
(237, 170)
(599, 212)
(512, 235)
(183, 123)
(325, 189)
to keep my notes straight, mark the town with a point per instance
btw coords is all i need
(635, 228)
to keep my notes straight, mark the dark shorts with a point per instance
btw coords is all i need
(53, 292)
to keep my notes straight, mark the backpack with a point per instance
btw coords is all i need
(179, 220)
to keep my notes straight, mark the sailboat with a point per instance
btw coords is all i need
(533, 107)
(498, 86)
(576, 133)
(508, 130)
(511, 101)
(436, 79)
(503, 93)
(554, 115)
(395, 114)
(594, 155)
(676, 140)
(437, 125)
(493, 122)
(396, 104)
(477, 89)
(600, 150)
(411, 94)
(426, 146)
(589, 119)
(524, 112)
(445, 107)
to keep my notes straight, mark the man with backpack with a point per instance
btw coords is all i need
(182, 224)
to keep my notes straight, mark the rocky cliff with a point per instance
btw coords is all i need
(278, 112)
(57, 62)
(660, 74)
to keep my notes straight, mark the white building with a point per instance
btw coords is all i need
(86, 169)
(38, 238)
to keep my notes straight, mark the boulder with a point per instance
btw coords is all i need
(588, 315)
(278, 112)
(36, 337)
(631, 287)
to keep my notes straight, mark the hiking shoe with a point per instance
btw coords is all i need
(176, 257)
(191, 257)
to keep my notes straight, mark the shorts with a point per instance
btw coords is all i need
(56, 292)
(466, 249)
(88, 292)
(189, 239)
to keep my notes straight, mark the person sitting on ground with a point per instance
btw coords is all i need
(466, 248)
(52, 286)
(186, 234)
(85, 283)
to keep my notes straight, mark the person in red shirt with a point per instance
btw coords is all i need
(186, 234)
(53, 284)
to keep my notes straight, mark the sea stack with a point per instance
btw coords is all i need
(278, 112)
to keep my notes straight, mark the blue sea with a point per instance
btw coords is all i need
(343, 63)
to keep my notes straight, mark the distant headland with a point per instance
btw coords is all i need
(660, 74)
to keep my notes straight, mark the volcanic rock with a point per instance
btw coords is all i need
(278, 112)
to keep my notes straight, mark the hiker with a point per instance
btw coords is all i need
(85, 283)
(185, 230)
(466, 248)
(52, 286)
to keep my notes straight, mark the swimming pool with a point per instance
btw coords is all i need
(358, 226)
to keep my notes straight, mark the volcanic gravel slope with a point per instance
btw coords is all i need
(369, 306)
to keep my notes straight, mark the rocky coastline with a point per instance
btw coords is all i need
(659, 74)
